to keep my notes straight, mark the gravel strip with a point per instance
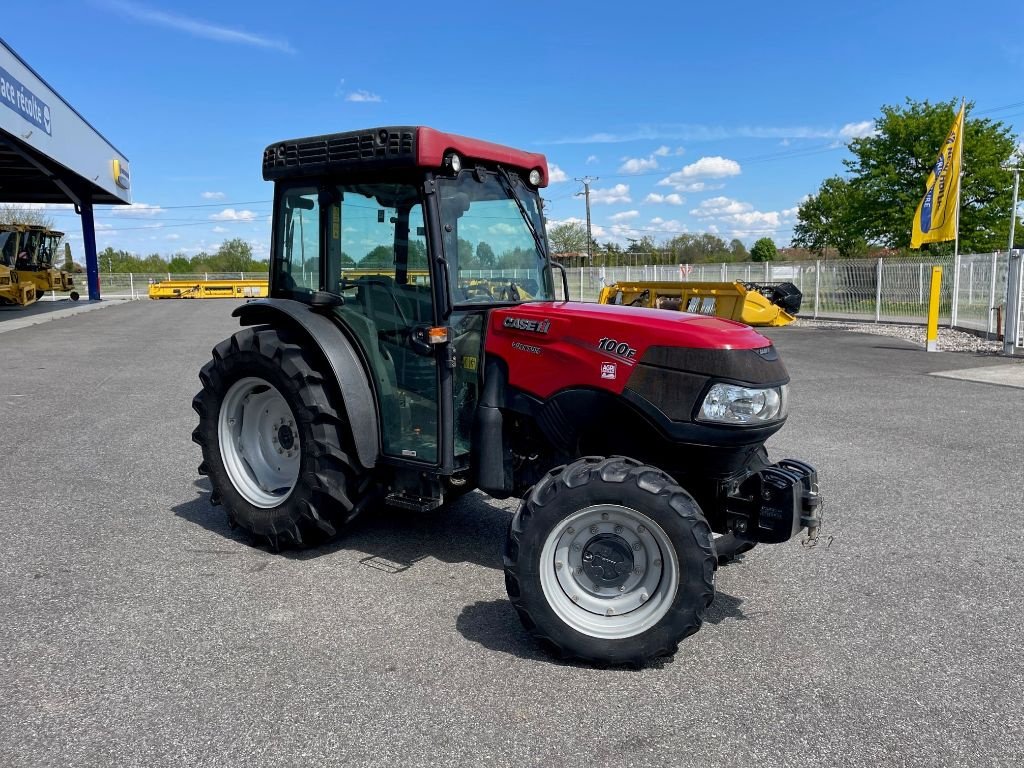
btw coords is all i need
(949, 340)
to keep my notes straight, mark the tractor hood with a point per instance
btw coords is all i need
(551, 346)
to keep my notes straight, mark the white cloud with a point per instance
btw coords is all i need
(138, 209)
(196, 27)
(720, 206)
(665, 151)
(617, 194)
(671, 226)
(591, 159)
(212, 195)
(172, 236)
(219, 230)
(715, 167)
(555, 174)
(230, 214)
(595, 229)
(362, 96)
(623, 216)
(858, 130)
(740, 218)
(672, 199)
(502, 229)
(638, 164)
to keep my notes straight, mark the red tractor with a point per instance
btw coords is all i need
(413, 349)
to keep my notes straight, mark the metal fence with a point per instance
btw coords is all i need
(973, 296)
(974, 286)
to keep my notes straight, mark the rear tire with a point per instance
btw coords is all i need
(74, 296)
(276, 450)
(610, 561)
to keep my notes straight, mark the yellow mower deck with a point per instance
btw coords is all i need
(733, 301)
(208, 289)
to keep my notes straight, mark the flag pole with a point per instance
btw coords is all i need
(956, 241)
(959, 181)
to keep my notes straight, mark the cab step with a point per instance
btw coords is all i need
(405, 500)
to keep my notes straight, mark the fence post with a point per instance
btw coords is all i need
(992, 294)
(878, 291)
(767, 271)
(1014, 279)
(954, 310)
(131, 284)
(206, 276)
(970, 283)
(817, 286)
(168, 275)
(920, 283)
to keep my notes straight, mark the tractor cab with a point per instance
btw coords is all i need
(407, 237)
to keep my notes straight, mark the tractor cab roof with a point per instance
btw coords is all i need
(387, 148)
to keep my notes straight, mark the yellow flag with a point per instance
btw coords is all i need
(935, 218)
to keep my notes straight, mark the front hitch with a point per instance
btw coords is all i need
(776, 503)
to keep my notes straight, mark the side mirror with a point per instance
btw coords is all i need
(565, 279)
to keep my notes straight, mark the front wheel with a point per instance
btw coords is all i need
(74, 296)
(609, 560)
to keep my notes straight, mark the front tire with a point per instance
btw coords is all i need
(610, 561)
(275, 448)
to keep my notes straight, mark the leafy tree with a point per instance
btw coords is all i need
(737, 250)
(234, 255)
(829, 220)
(485, 255)
(380, 257)
(764, 250)
(889, 170)
(570, 237)
(179, 264)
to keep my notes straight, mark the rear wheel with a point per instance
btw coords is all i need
(275, 448)
(74, 296)
(609, 560)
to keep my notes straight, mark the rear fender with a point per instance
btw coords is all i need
(357, 398)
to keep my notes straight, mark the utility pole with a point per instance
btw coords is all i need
(586, 181)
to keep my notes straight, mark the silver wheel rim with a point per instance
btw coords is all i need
(259, 442)
(631, 597)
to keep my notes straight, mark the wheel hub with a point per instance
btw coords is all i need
(607, 560)
(285, 437)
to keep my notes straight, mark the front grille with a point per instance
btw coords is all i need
(378, 147)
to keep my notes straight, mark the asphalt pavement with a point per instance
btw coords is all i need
(137, 629)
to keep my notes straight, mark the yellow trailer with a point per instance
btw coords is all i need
(751, 303)
(209, 289)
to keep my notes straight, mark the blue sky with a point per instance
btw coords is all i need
(713, 117)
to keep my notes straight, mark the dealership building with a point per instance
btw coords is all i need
(50, 154)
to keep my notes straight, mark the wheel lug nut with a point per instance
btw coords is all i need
(604, 515)
(576, 547)
(558, 566)
(643, 597)
(618, 529)
(570, 529)
(622, 588)
(640, 529)
(657, 563)
(579, 570)
(609, 612)
(636, 547)
(575, 598)
(593, 529)
(637, 571)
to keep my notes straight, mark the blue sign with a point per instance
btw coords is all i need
(19, 98)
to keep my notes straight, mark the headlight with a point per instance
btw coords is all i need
(732, 404)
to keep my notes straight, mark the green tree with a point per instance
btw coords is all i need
(234, 255)
(179, 264)
(764, 250)
(16, 214)
(485, 255)
(737, 250)
(570, 237)
(889, 170)
(380, 257)
(829, 220)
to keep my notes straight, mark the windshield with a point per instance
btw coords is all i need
(492, 254)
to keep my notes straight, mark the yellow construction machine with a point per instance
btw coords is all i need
(26, 261)
(772, 304)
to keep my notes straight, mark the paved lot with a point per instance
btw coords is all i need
(137, 630)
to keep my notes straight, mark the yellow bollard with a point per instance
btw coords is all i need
(932, 339)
